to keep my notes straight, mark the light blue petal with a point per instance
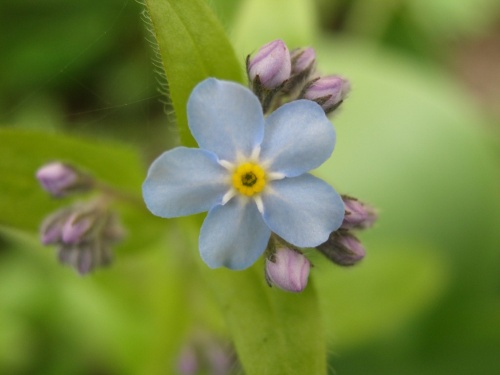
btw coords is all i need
(298, 137)
(303, 210)
(225, 118)
(233, 235)
(184, 181)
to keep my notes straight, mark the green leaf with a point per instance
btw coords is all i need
(394, 284)
(24, 204)
(192, 46)
(275, 332)
(411, 143)
(130, 318)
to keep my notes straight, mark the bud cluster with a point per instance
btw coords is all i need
(288, 268)
(278, 75)
(84, 232)
(343, 247)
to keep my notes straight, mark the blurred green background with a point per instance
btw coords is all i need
(418, 138)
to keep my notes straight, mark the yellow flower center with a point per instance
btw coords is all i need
(249, 179)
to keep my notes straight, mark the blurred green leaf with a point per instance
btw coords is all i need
(257, 22)
(394, 284)
(127, 319)
(452, 17)
(410, 142)
(193, 46)
(43, 48)
(225, 10)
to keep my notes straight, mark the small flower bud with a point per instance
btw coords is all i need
(288, 270)
(328, 92)
(357, 214)
(77, 226)
(52, 226)
(343, 248)
(60, 179)
(85, 257)
(303, 60)
(85, 233)
(271, 65)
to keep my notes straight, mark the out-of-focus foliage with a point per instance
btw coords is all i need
(412, 140)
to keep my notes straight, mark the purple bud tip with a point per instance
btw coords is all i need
(57, 178)
(302, 59)
(358, 215)
(75, 228)
(354, 250)
(289, 270)
(51, 235)
(343, 248)
(328, 91)
(271, 64)
(52, 225)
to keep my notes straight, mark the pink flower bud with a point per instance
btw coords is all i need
(56, 178)
(329, 92)
(60, 179)
(85, 233)
(52, 226)
(85, 260)
(84, 257)
(271, 64)
(77, 226)
(357, 215)
(303, 59)
(288, 270)
(343, 248)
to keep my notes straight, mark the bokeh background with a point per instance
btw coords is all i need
(418, 138)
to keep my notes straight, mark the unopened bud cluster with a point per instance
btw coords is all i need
(288, 268)
(83, 232)
(343, 247)
(278, 75)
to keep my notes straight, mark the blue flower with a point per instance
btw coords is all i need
(249, 174)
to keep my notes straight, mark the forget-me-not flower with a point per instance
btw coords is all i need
(250, 174)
